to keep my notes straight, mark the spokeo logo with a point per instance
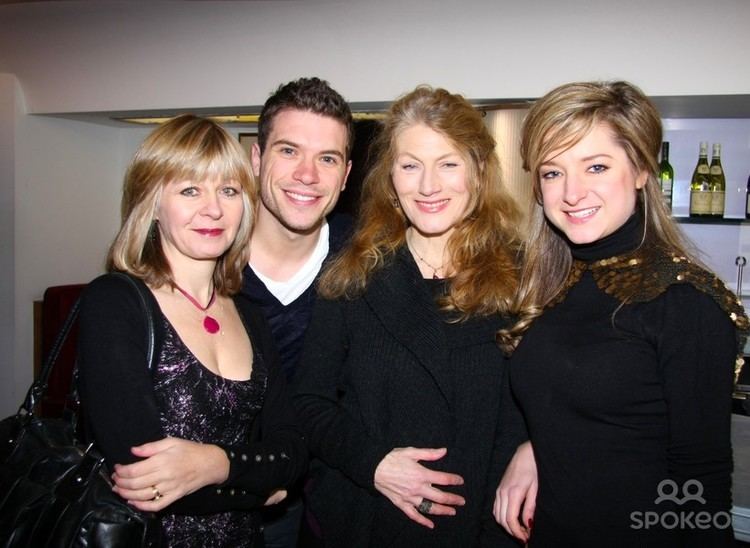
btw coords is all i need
(669, 491)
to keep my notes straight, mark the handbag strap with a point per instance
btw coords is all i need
(39, 387)
(150, 336)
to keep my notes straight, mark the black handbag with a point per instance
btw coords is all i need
(55, 492)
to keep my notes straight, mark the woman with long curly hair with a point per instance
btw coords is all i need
(399, 386)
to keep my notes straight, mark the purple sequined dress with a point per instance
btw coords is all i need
(198, 405)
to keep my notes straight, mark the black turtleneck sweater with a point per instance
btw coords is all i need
(618, 398)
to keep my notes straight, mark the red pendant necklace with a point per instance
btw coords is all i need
(209, 324)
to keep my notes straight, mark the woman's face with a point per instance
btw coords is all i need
(429, 177)
(199, 220)
(589, 190)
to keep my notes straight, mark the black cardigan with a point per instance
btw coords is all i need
(120, 407)
(384, 371)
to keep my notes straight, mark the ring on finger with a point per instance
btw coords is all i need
(157, 494)
(424, 507)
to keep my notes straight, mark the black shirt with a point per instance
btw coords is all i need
(619, 398)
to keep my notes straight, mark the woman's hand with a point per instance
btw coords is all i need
(172, 468)
(406, 483)
(276, 497)
(518, 488)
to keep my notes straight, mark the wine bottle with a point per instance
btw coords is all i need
(717, 182)
(700, 189)
(666, 175)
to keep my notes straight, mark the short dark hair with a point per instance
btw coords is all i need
(309, 94)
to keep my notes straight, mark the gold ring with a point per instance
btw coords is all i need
(157, 494)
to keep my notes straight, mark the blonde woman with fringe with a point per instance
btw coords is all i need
(624, 353)
(203, 436)
(399, 385)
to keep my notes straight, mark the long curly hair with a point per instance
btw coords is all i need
(483, 247)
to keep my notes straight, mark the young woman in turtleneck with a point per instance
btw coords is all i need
(625, 350)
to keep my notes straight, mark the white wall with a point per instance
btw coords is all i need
(67, 184)
(10, 93)
(95, 56)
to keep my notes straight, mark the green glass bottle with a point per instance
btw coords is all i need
(717, 182)
(666, 175)
(700, 190)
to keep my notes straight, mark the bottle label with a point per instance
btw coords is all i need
(700, 203)
(666, 192)
(666, 187)
(717, 203)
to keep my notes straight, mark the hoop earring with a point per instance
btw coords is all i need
(644, 211)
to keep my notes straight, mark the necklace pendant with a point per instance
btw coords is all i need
(211, 325)
(435, 276)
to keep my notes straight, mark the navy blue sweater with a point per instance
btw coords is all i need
(289, 322)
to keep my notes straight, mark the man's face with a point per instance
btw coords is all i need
(303, 168)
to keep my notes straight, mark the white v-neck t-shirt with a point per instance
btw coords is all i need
(286, 292)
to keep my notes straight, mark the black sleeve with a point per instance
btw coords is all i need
(333, 434)
(114, 382)
(511, 432)
(276, 456)
(697, 350)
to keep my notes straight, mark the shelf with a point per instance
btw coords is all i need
(711, 221)
(703, 106)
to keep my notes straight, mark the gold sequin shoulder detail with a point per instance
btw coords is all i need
(643, 275)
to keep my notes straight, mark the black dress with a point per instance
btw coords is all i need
(198, 405)
(628, 402)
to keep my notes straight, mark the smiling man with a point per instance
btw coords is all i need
(301, 160)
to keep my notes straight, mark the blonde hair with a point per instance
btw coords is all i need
(483, 246)
(184, 148)
(555, 123)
